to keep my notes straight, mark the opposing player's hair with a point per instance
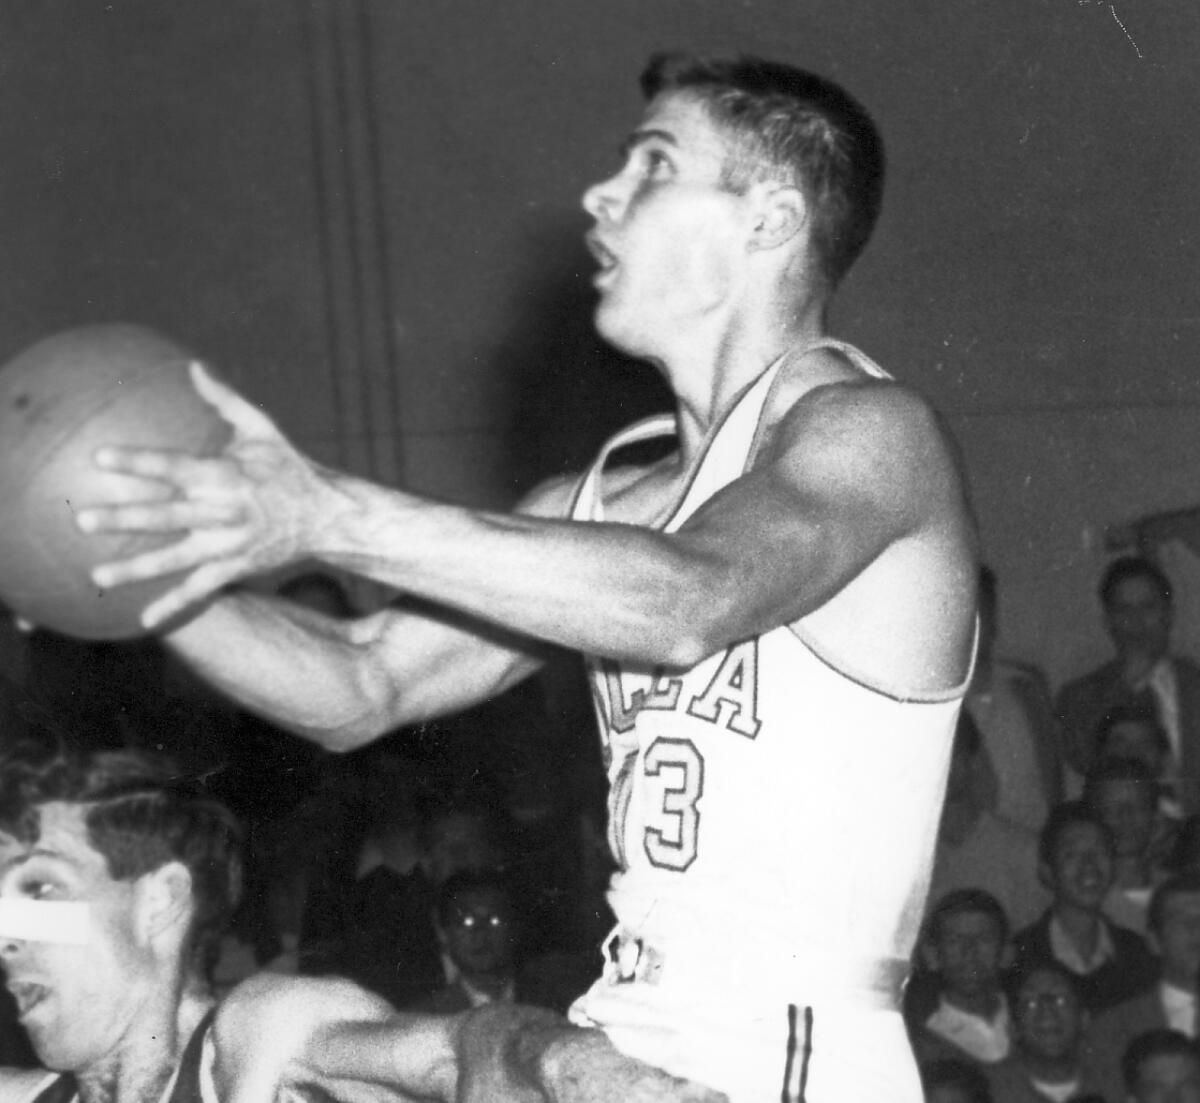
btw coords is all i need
(1161, 1042)
(789, 124)
(1063, 817)
(967, 901)
(1133, 566)
(1182, 884)
(140, 814)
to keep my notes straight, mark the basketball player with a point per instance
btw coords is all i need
(778, 616)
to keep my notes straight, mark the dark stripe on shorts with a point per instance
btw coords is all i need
(793, 1044)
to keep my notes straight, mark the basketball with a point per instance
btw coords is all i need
(61, 400)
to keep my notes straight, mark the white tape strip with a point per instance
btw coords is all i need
(67, 922)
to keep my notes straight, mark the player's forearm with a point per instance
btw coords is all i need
(254, 650)
(610, 589)
(342, 683)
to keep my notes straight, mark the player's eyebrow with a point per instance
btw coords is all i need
(641, 137)
(28, 856)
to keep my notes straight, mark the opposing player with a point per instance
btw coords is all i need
(778, 617)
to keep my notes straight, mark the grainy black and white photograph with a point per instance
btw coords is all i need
(627, 552)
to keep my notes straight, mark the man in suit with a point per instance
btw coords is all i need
(1136, 598)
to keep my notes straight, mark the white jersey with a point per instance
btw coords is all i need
(773, 814)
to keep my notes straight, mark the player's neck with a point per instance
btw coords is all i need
(709, 370)
(138, 1072)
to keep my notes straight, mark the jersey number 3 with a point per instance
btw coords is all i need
(673, 829)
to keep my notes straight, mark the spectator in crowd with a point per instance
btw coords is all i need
(978, 849)
(1135, 731)
(1174, 922)
(1136, 598)
(1161, 1066)
(1075, 860)
(378, 929)
(948, 1080)
(1124, 795)
(480, 928)
(1011, 707)
(1048, 1061)
(964, 951)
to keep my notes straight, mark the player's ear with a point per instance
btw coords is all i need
(164, 899)
(779, 213)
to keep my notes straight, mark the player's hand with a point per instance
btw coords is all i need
(254, 507)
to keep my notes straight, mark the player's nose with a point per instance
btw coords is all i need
(603, 199)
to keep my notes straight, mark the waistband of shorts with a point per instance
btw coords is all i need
(823, 976)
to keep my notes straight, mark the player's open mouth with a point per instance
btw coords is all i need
(27, 995)
(605, 257)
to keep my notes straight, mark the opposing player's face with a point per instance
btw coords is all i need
(1168, 1078)
(669, 236)
(1082, 870)
(78, 1003)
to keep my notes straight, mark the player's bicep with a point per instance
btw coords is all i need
(844, 476)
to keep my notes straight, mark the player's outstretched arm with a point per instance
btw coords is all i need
(849, 472)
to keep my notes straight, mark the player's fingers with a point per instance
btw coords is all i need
(171, 515)
(229, 404)
(200, 584)
(162, 465)
(194, 550)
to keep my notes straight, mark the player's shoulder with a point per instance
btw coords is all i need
(864, 414)
(17, 1085)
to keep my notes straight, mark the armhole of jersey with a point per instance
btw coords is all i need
(881, 687)
(856, 357)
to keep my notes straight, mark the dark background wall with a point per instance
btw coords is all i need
(367, 214)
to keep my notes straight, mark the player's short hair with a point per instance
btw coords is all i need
(966, 901)
(952, 1072)
(1181, 884)
(1063, 817)
(1133, 566)
(140, 814)
(1161, 1042)
(1121, 768)
(790, 124)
